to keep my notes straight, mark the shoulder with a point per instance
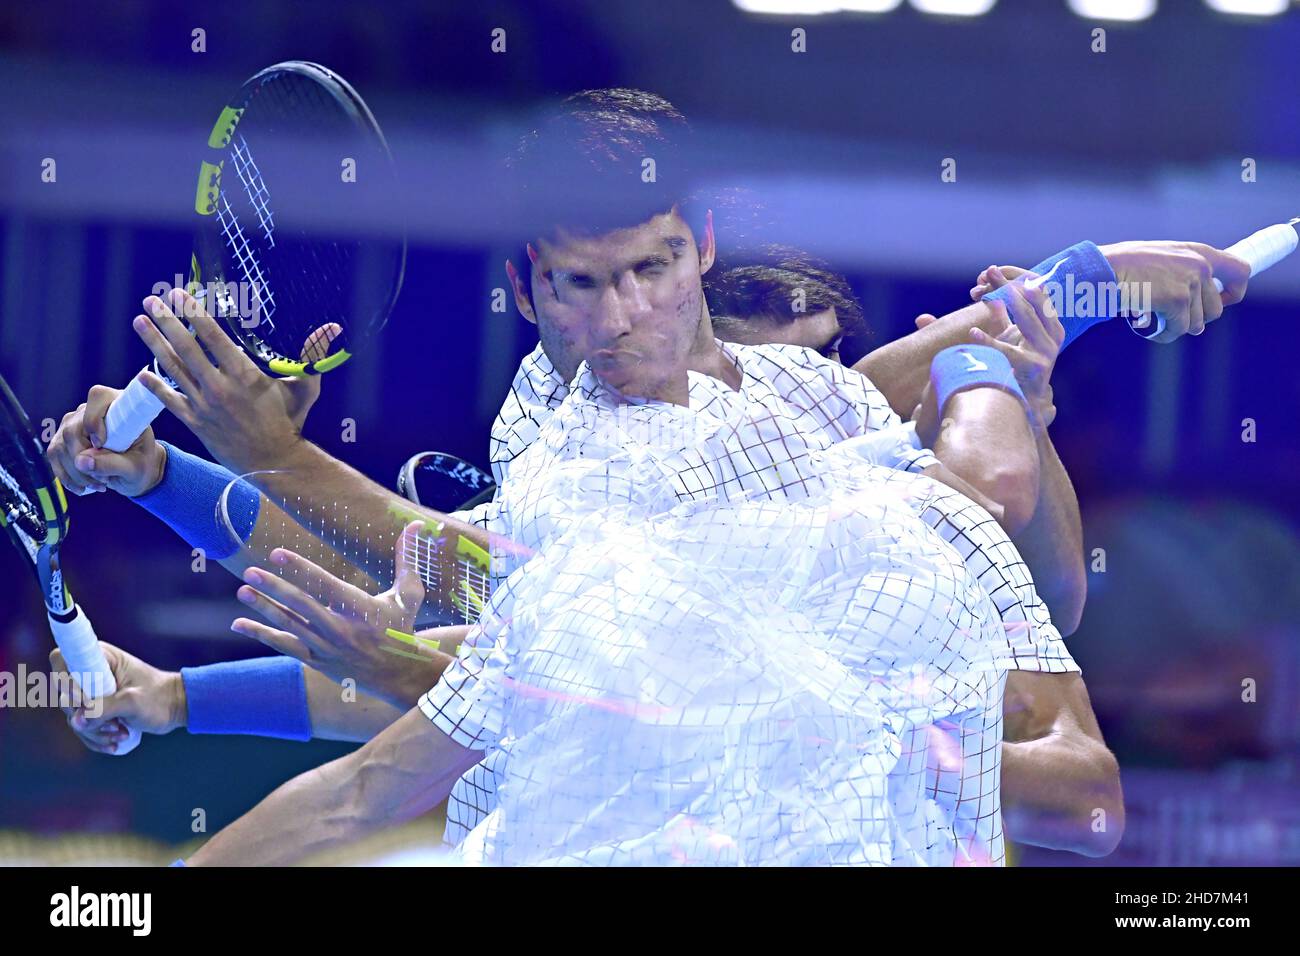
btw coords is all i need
(537, 383)
(808, 379)
(535, 392)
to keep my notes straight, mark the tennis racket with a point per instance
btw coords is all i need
(456, 568)
(295, 189)
(33, 510)
(444, 482)
(1263, 250)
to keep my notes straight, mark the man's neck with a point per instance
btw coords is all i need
(708, 358)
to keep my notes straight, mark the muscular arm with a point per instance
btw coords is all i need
(358, 717)
(405, 771)
(988, 442)
(941, 473)
(277, 528)
(309, 482)
(1057, 772)
(985, 440)
(901, 369)
(1052, 541)
(984, 436)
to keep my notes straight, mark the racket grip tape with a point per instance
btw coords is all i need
(85, 661)
(129, 415)
(1262, 250)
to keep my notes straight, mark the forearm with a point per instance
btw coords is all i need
(901, 368)
(314, 811)
(363, 520)
(229, 521)
(316, 536)
(1062, 794)
(405, 771)
(1052, 541)
(985, 439)
(351, 715)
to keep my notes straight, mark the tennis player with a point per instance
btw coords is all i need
(163, 319)
(865, 801)
(166, 708)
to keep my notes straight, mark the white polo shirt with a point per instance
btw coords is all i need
(760, 444)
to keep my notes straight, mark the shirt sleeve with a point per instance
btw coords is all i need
(895, 442)
(464, 704)
(1030, 641)
(897, 447)
(460, 704)
(537, 390)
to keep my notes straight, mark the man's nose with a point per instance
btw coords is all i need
(624, 301)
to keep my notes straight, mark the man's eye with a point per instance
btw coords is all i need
(652, 267)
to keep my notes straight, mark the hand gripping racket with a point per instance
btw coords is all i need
(1263, 250)
(296, 188)
(33, 510)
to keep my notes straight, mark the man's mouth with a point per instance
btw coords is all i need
(612, 356)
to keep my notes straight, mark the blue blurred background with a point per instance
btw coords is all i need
(843, 144)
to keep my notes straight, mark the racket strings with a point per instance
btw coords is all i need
(471, 586)
(250, 268)
(255, 187)
(361, 554)
(317, 282)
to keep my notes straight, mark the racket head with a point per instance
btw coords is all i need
(293, 249)
(442, 481)
(33, 507)
(31, 500)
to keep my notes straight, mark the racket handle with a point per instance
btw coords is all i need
(85, 658)
(1263, 250)
(129, 415)
(1266, 248)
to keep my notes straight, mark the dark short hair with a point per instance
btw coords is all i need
(579, 166)
(761, 285)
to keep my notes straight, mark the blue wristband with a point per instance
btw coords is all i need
(971, 366)
(187, 499)
(265, 697)
(1083, 288)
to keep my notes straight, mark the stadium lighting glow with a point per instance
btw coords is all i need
(954, 8)
(869, 6)
(1249, 8)
(1123, 10)
(788, 7)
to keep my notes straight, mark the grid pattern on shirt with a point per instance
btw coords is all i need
(846, 401)
(689, 668)
(956, 755)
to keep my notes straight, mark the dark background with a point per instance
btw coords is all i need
(1053, 142)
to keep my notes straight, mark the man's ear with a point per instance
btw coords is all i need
(523, 297)
(708, 244)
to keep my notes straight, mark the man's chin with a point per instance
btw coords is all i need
(627, 386)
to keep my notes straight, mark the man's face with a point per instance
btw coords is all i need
(628, 302)
(819, 331)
